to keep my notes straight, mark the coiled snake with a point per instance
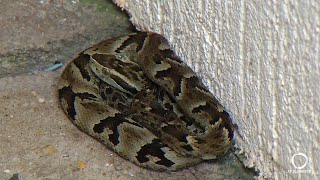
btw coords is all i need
(138, 98)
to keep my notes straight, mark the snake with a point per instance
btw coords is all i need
(136, 96)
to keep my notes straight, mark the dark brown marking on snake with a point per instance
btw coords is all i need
(174, 132)
(200, 141)
(201, 108)
(168, 106)
(188, 121)
(86, 95)
(159, 111)
(187, 147)
(111, 62)
(154, 149)
(144, 114)
(227, 123)
(81, 61)
(158, 59)
(124, 84)
(105, 91)
(108, 90)
(137, 39)
(208, 108)
(122, 107)
(171, 74)
(171, 98)
(215, 117)
(112, 124)
(124, 68)
(117, 97)
(161, 94)
(70, 97)
(194, 82)
(168, 53)
(104, 59)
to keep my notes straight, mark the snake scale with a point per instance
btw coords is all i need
(137, 97)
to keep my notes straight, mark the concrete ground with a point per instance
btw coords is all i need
(37, 141)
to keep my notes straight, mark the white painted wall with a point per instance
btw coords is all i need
(261, 59)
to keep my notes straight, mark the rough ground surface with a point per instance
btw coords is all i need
(37, 141)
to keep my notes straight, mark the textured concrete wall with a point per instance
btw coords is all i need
(262, 61)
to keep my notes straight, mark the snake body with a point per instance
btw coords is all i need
(137, 97)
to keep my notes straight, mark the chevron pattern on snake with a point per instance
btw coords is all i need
(137, 97)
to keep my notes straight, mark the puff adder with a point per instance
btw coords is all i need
(137, 97)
